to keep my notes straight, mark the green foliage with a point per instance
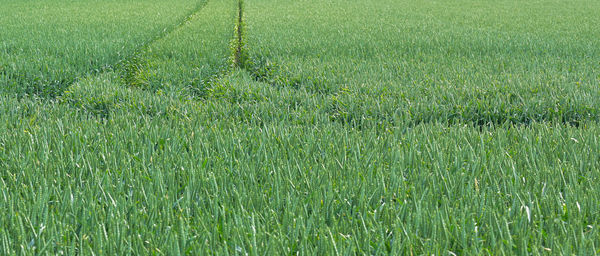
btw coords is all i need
(239, 51)
(377, 127)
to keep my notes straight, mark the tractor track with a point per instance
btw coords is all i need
(132, 59)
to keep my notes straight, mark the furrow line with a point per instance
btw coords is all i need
(132, 57)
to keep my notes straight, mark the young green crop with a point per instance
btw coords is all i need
(356, 127)
(170, 178)
(452, 62)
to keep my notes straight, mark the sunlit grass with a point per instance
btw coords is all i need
(375, 127)
(425, 61)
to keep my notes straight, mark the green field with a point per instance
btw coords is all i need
(380, 127)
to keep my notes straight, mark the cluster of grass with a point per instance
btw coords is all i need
(373, 127)
(46, 45)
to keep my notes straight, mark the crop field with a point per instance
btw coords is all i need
(319, 127)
